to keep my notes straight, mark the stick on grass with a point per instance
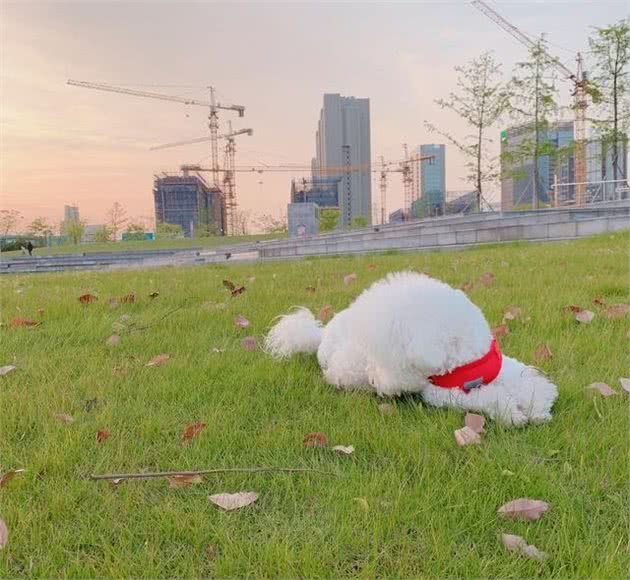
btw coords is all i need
(207, 472)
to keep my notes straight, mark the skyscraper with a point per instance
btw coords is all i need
(343, 140)
(432, 179)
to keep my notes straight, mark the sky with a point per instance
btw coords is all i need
(61, 144)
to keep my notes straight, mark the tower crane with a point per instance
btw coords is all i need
(249, 132)
(580, 91)
(212, 105)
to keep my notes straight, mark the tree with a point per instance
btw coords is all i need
(9, 219)
(271, 225)
(241, 222)
(328, 219)
(40, 228)
(74, 229)
(481, 100)
(533, 103)
(167, 231)
(135, 231)
(611, 52)
(103, 234)
(359, 221)
(116, 219)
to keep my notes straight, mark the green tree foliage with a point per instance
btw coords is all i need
(359, 221)
(610, 47)
(135, 231)
(533, 104)
(74, 229)
(328, 219)
(165, 231)
(481, 100)
(103, 234)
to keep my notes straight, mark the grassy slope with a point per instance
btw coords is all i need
(432, 505)
(132, 246)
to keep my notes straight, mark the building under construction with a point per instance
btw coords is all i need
(189, 201)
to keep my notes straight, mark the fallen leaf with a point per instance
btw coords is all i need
(365, 506)
(192, 431)
(102, 436)
(311, 289)
(113, 340)
(585, 317)
(475, 422)
(520, 546)
(625, 384)
(349, 278)
(615, 311)
(512, 313)
(4, 534)
(233, 501)
(7, 369)
(128, 299)
(249, 343)
(238, 291)
(501, 330)
(116, 482)
(602, 388)
(17, 322)
(315, 440)
(211, 552)
(524, 509)
(574, 308)
(349, 450)
(542, 353)
(158, 360)
(9, 475)
(183, 481)
(466, 436)
(87, 298)
(386, 409)
(507, 473)
(229, 285)
(40, 312)
(467, 286)
(325, 313)
(599, 301)
(487, 278)
(154, 294)
(371, 266)
(218, 350)
(67, 419)
(241, 321)
(90, 404)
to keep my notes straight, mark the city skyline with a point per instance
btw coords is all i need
(64, 145)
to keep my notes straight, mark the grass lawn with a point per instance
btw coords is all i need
(133, 246)
(408, 503)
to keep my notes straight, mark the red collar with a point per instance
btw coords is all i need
(474, 374)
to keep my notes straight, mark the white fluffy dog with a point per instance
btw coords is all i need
(411, 333)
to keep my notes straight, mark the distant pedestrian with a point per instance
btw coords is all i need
(29, 247)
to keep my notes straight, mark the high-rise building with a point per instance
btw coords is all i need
(343, 140)
(70, 213)
(432, 172)
(517, 184)
(188, 200)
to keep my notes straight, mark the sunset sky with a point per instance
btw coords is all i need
(62, 144)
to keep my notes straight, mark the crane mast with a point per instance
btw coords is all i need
(580, 102)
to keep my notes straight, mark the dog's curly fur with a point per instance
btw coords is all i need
(404, 329)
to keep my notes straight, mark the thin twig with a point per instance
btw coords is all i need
(206, 472)
(138, 328)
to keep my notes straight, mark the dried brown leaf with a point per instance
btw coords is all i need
(344, 450)
(371, 266)
(249, 343)
(241, 321)
(614, 311)
(325, 313)
(475, 422)
(585, 317)
(467, 286)
(524, 509)
(603, 389)
(520, 546)
(9, 475)
(116, 482)
(4, 534)
(183, 481)
(347, 279)
(315, 440)
(87, 298)
(154, 294)
(598, 301)
(311, 289)
(487, 278)
(113, 340)
(158, 360)
(17, 322)
(233, 501)
(512, 313)
(466, 436)
(501, 330)
(229, 285)
(102, 435)
(67, 419)
(574, 308)
(625, 384)
(7, 369)
(542, 353)
(192, 431)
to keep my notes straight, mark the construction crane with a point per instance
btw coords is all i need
(201, 139)
(580, 91)
(212, 105)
